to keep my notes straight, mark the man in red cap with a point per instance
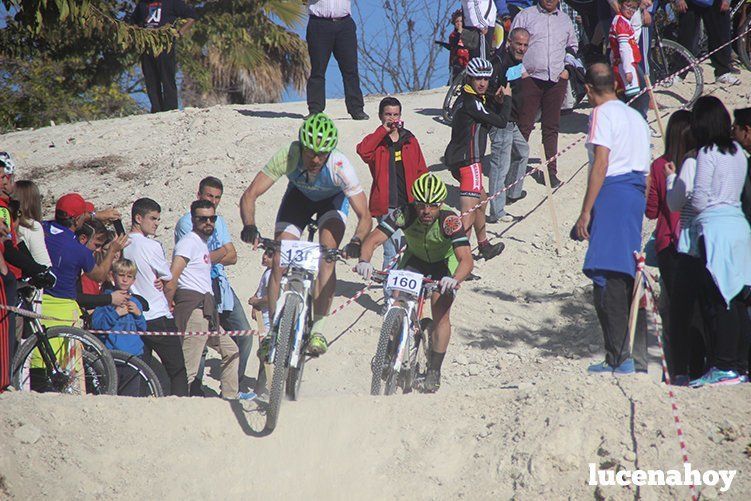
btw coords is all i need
(70, 258)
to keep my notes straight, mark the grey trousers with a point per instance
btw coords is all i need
(613, 303)
(509, 152)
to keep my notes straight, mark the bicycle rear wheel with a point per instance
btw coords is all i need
(86, 365)
(135, 378)
(675, 73)
(449, 102)
(382, 366)
(292, 307)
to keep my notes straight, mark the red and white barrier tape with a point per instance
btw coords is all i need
(657, 330)
(32, 314)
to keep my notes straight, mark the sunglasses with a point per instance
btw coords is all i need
(204, 219)
(422, 205)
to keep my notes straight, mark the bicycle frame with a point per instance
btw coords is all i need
(413, 307)
(304, 277)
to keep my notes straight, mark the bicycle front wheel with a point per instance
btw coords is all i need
(449, 102)
(86, 366)
(135, 378)
(420, 356)
(676, 75)
(292, 308)
(382, 366)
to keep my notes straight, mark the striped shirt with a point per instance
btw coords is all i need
(719, 178)
(329, 8)
(680, 190)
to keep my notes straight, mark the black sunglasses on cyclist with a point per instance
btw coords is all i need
(422, 205)
(203, 219)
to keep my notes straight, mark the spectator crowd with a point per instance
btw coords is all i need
(698, 190)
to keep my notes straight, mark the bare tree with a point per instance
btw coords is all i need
(398, 54)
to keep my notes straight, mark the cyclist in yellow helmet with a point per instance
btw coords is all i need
(437, 247)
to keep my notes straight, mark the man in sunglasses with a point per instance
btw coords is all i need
(195, 306)
(222, 253)
(322, 185)
(436, 247)
(469, 137)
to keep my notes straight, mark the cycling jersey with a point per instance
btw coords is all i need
(336, 176)
(434, 243)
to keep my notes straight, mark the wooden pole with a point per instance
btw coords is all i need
(656, 107)
(634, 312)
(551, 206)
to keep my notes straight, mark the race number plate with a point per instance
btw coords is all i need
(405, 281)
(300, 254)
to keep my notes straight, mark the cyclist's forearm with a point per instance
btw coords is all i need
(363, 228)
(371, 243)
(248, 207)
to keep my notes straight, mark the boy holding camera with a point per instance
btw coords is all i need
(395, 161)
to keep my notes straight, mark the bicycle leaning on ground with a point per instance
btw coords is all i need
(404, 344)
(60, 359)
(293, 318)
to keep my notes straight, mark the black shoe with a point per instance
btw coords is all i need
(432, 381)
(554, 181)
(359, 115)
(491, 219)
(489, 251)
(310, 114)
(538, 177)
(510, 201)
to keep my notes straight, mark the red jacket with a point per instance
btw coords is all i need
(374, 151)
(668, 223)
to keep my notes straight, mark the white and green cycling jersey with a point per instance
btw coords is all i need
(337, 175)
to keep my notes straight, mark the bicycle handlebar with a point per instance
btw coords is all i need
(330, 255)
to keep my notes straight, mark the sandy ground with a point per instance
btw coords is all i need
(516, 417)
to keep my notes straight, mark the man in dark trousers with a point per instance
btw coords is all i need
(331, 29)
(159, 70)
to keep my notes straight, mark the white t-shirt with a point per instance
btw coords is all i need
(34, 239)
(625, 133)
(197, 273)
(148, 255)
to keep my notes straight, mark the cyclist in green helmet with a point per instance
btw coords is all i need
(321, 183)
(437, 247)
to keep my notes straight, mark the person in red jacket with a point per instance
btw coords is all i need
(395, 161)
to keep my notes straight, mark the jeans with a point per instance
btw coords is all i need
(509, 152)
(236, 320)
(392, 245)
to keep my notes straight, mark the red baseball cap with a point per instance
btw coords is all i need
(73, 205)
(90, 207)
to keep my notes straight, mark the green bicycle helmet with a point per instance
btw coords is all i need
(429, 189)
(319, 133)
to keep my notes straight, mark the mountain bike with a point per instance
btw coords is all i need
(741, 24)
(293, 318)
(666, 57)
(77, 364)
(404, 344)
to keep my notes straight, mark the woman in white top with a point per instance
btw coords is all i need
(30, 223)
(721, 237)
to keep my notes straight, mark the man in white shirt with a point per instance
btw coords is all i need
(331, 29)
(195, 309)
(153, 274)
(611, 218)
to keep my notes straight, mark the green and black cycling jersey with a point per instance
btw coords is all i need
(433, 243)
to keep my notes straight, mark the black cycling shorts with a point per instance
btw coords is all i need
(297, 210)
(436, 270)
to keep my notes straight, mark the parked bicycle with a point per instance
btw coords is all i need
(293, 318)
(404, 344)
(60, 359)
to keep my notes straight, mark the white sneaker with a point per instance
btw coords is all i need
(728, 79)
